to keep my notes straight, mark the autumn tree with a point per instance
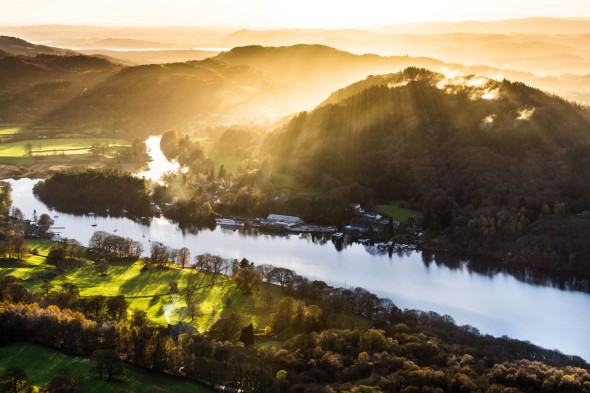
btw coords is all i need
(14, 380)
(183, 257)
(248, 281)
(107, 361)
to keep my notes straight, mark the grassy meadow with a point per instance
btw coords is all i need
(397, 212)
(149, 289)
(144, 289)
(287, 184)
(63, 146)
(28, 146)
(41, 363)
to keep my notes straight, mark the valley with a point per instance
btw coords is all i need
(284, 210)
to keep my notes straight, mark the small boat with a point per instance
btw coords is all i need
(228, 222)
(93, 225)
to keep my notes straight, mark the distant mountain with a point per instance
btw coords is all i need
(509, 26)
(560, 52)
(140, 57)
(17, 47)
(469, 151)
(311, 72)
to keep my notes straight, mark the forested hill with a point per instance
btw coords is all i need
(458, 148)
(139, 99)
(36, 79)
(306, 62)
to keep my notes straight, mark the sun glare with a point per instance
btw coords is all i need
(279, 14)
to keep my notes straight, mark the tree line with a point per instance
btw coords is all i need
(96, 190)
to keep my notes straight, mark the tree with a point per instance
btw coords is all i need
(139, 318)
(66, 380)
(46, 286)
(44, 221)
(29, 149)
(161, 255)
(283, 315)
(248, 281)
(183, 256)
(282, 276)
(14, 380)
(266, 270)
(117, 308)
(192, 304)
(227, 327)
(107, 361)
(313, 318)
(222, 172)
(247, 335)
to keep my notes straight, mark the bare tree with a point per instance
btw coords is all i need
(183, 257)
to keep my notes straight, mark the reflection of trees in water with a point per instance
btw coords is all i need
(480, 265)
(490, 267)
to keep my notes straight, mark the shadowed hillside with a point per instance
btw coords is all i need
(461, 149)
(17, 47)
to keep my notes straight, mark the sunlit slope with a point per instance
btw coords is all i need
(35, 80)
(311, 72)
(150, 97)
(407, 135)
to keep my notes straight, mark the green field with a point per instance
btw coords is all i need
(128, 279)
(287, 184)
(397, 212)
(13, 130)
(41, 363)
(62, 146)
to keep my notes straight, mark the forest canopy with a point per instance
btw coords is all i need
(100, 190)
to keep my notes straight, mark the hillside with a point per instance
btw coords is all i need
(144, 98)
(18, 47)
(311, 72)
(461, 149)
(33, 86)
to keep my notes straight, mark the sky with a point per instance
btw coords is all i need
(277, 13)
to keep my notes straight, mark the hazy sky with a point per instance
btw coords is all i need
(278, 13)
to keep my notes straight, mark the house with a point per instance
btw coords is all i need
(415, 222)
(278, 219)
(385, 225)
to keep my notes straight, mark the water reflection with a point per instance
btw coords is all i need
(490, 267)
(475, 293)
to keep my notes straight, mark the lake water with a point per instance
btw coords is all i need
(496, 304)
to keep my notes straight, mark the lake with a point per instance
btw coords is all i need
(496, 304)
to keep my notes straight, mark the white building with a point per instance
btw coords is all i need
(280, 220)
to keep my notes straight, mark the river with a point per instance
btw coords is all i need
(496, 304)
